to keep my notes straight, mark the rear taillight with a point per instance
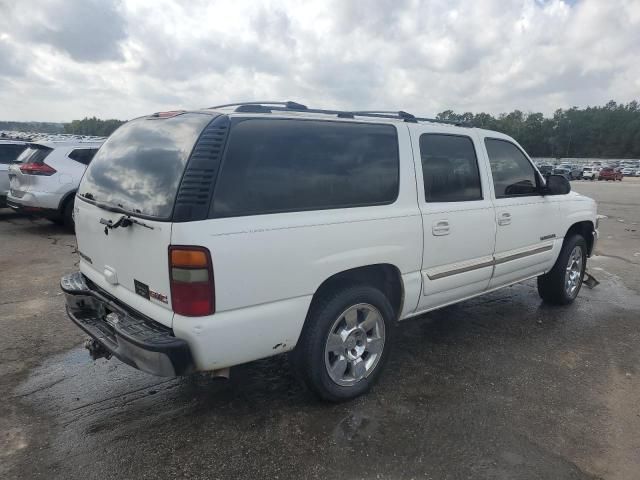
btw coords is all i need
(37, 169)
(192, 287)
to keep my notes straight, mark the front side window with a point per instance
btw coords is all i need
(293, 165)
(449, 168)
(512, 172)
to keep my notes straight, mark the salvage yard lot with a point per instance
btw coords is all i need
(497, 387)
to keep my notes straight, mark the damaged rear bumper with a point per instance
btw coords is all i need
(128, 335)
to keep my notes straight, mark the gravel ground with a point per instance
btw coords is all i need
(497, 387)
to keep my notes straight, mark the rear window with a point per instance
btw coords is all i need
(291, 165)
(34, 154)
(10, 152)
(138, 169)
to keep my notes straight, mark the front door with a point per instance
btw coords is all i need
(458, 217)
(527, 238)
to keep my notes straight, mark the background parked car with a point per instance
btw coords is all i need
(545, 170)
(628, 172)
(575, 171)
(609, 173)
(565, 172)
(9, 151)
(590, 173)
(44, 179)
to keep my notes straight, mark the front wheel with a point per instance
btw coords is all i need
(560, 286)
(345, 342)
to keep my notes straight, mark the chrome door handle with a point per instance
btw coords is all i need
(441, 227)
(505, 219)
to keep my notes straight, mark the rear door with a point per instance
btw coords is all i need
(136, 172)
(457, 214)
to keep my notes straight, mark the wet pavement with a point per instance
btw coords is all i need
(502, 386)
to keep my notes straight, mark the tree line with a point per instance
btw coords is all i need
(610, 131)
(92, 126)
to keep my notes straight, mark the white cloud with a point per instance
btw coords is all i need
(64, 59)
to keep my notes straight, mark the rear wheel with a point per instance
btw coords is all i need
(560, 286)
(345, 342)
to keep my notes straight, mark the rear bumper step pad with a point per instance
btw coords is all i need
(128, 335)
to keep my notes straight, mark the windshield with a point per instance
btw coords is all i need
(138, 169)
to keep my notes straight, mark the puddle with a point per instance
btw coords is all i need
(469, 389)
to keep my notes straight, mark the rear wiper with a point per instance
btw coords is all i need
(124, 221)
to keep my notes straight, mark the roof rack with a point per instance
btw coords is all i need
(269, 106)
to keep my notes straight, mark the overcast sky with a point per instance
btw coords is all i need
(66, 59)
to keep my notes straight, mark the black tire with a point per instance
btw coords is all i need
(551, 286)
(309, 356)
(67, 215)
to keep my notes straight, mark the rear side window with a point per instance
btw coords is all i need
(290, 165)
(449, 168)
(10, 152)
(83, 155)
(139, 168)
(512, 173)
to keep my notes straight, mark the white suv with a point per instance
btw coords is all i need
(590, 173)
(216, 237)
(44, 179)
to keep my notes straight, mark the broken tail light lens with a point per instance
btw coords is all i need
(192, 287)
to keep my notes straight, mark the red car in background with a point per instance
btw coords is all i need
(609, 173)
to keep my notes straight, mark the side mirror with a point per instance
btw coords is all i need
(556, 185)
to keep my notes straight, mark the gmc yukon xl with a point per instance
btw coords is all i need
(215, 237)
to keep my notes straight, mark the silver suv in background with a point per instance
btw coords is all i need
(44, 179)
(9, 152)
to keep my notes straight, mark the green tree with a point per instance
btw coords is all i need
(92, 126)
(610, 131)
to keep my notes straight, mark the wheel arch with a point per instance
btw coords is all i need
(384, 276)
(65, 198)
(584, 228)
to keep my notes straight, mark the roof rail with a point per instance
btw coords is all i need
(290, 105)
(269, 106)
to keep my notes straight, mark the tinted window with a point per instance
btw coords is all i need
(512, 173)
(288, 165)
(83, 155)
(140, 166)
(449, 168)
(34, 154)
(10, 152)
